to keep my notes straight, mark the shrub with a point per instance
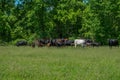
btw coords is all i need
(3, 43)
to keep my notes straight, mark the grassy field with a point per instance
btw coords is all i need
(26, 63)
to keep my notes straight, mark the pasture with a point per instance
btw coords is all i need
(66, 63)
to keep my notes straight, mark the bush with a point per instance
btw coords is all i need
(32, 38)
(72, 38)
(2, 43)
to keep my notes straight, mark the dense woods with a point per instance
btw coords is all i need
(30, 19)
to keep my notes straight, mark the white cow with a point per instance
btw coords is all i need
(79, 42)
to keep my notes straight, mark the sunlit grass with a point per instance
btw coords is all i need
(66, 63)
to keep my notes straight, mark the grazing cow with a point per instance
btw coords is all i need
(95, 44)
(79, 42)
(43, 42)
(88, 42)
(92, 43)
(59, 42)
(39, 43)
(113, 42)
(21, 43)
(53, 42)
(68, 42)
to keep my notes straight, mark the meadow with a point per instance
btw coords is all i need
(66, 63)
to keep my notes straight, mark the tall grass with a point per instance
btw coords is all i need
(68, 63)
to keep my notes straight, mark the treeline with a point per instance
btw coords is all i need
(30, 19)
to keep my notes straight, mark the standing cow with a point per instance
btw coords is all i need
(113, 42)
(79, 42)
(21, 43)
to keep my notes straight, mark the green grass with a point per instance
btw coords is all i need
(26, 63)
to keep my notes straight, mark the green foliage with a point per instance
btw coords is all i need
(96, 19)
(17, 33)
(2, 43)
(32, 38)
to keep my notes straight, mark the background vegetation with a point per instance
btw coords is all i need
(29, 19)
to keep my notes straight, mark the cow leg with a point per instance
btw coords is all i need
(75, 45)
(83, 45)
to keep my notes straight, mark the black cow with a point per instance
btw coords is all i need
(21, 43)
(69, 42)
(88, 42)
(95, 44)
(92, 43)
(42, 42)
(113, 42)
(57, 42)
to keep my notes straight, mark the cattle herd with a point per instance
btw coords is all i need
(67, 42)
